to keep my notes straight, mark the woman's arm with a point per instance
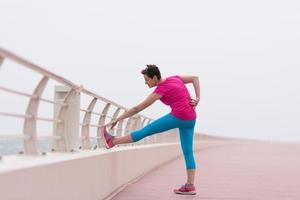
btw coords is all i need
(195, 81)
(136, 109)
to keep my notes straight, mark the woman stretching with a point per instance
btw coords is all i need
(173, 92)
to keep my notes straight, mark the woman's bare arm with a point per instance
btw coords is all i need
(136, 109)
(195, 81)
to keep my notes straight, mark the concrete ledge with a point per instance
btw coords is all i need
(88, 175)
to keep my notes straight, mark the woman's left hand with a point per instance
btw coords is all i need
(194, 102)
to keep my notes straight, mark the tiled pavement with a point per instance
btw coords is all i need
(229, 171)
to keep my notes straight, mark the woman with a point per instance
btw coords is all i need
(173, 92)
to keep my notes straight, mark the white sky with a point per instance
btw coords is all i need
(246, 54)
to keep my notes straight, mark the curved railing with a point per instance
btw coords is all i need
(65, 138)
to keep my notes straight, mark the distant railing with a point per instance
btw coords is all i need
(62, 140)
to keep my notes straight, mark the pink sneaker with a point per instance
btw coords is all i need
(108, 138)
(187, 189)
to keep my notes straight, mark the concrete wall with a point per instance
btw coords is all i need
(88, 175)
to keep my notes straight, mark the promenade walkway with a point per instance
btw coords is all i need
(228, 171)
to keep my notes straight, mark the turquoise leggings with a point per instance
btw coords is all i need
(167, 122)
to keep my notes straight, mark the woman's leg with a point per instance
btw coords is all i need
(186, 139)
(162, 124)
(122, 140)
(191, 176)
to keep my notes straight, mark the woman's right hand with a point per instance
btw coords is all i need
(113, 124)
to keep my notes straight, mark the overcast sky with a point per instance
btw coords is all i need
(246, 54)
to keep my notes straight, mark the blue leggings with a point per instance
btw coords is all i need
(167, 122)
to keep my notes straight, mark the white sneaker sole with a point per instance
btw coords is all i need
(185, 193)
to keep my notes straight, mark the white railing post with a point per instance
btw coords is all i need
(172, 135)
(127, 127)
(1, 60)
(138, 123)
(29, 128)
(101, 123)
(120, 131)
(120, 128)
(66, 117)
(85, 129)
(116, 113)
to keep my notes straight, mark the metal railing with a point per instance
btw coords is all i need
(62, 140)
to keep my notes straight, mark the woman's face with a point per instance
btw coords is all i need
(151, 82)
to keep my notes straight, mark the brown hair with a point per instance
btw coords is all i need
(151, 71)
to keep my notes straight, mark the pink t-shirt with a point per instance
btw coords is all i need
(175, 94)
